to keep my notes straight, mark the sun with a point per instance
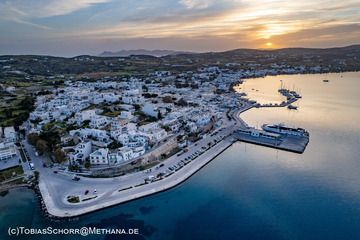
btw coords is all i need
(269, 44)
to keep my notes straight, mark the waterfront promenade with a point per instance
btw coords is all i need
(114, 196)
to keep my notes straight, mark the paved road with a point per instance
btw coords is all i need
(55, 187)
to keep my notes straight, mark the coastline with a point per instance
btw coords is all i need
(53, 212)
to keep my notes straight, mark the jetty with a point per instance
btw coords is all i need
(296, 144)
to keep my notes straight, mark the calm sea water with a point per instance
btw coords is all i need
(250, 192)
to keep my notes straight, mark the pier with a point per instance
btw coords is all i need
(291, 97)
(289, 143)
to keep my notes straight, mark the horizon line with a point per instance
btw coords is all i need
(181, 52)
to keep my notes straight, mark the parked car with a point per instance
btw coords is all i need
(75, 178)
(32, 166)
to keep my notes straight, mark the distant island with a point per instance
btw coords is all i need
(155, 53)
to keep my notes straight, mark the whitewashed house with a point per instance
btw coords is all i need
(115, 158)
(81, 152)
(150, 110)
(126, 115)
(10, 134)
(100, 156)
(127, 153)
(98, 121)
(85, 115)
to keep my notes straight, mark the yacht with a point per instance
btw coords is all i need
(281, 129)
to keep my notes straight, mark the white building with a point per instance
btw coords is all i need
(159, 134)
(98, 121)
(10, 134)
(191, 126)
(85, 115)
(127, 153)
(149, 127)
(150, 110)
(123, 138)
(138, 151)
(115, 158)
(126, 115)
(100, 156)
(81, 152)
(7, 152)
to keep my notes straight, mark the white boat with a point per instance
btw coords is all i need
(281, 129)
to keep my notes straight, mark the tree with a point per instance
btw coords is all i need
(33, 138)
(167, 99)
(182, 102)
(137, 107)
(159, 116)
(194, 86)
(87, 165)
(73, 168)
(42, 146)
(59, 155)
(145, 88)
(114, 145)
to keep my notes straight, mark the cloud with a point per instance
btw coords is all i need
(229, 23)
(197, 4)
(25, 11)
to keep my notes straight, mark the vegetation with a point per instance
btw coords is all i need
(182, 103)
(87, 164)
(167, 99)
(144, 119)
(15, 109)
(42, 146)
(110, 113)
(114, 145)
(59, 155)
(73, 168)
(73, 199)
(10, 173)
(33, 138)
(150, 95)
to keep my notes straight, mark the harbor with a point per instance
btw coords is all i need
(127, 188)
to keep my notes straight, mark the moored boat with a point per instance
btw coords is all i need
(292, 107)
(281, 129)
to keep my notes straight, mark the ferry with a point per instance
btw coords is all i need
(281, 129)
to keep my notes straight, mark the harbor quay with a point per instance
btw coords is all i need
(118, 195)
(296, 144)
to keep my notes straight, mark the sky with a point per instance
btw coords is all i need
(75, 27)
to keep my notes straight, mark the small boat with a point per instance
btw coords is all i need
(326, 80)
(292, 107)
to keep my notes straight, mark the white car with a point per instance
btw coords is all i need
(32, 166)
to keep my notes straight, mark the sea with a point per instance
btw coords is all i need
(248, 191)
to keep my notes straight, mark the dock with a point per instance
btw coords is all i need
(289, 143)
